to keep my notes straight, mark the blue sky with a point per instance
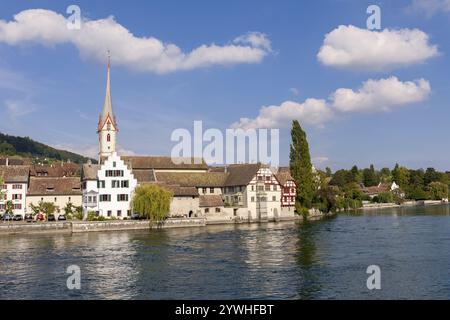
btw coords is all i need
(52, 90)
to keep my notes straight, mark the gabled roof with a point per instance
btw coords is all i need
(89, 171)
(54, 186)
(143, 176)
(179, 191)
(15, 174)
(241, 174)
(193, 179)
(58, 170)
(381, 187)
(283, 175)
(211, 201)
(156, 162)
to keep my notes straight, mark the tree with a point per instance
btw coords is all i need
(370, 177)
(68, 209)
(385, 175)
(44, 207)
(328, 172)
(7, 149)
(152, 201)
(301, 169)
(9, 207)
(431, 175)
(401, 176)
(354, 174)
(438, 190)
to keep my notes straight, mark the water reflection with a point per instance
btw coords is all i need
(319, 260)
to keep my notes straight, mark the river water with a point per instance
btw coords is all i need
(319, 260)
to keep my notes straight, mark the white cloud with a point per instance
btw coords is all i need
(312, 111)
(351, 47)
(430, 7)
(146, 54)
(381, 95)
(372, 96)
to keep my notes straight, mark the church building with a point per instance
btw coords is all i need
(107, 186)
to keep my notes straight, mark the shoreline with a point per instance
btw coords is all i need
(379, 206)
(73, 227)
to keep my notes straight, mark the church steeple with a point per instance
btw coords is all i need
(107, 106)
(107, 126)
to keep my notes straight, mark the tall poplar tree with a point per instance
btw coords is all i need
(301, 169)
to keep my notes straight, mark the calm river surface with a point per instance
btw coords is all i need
(320, 260)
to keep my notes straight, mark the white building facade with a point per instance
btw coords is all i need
(110, 192)
(14, 188)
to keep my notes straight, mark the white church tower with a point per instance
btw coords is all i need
(107, 125)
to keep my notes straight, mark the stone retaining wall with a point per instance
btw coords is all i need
(7, 228)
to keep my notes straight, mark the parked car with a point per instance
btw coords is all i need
(40, 217)
(61, 217)
(7, 217)
(135, 216)
(18, 217)
(28, 217)
(51, 217)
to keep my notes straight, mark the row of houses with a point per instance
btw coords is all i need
(247, 191)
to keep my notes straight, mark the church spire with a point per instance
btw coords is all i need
(107, 106)
(107, 126)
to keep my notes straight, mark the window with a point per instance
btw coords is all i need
(17, 206)
(17, 186)
(267, 187)
(105, 197)
(211, 190)
(124, 184)
(253, 199)
(2, 206)
(204, 190)
(108, 137)
(115, 183)
(206, 210)
(16, 196)
(275, 187)
(109, 213)
(114, 173)
(108, 126)
(70, 199)
(119, 213)
(217, 210)
(274, 198)
(267, 178)
(122, 197)
(55, 200)
(128, 212)
(260, 178)
(101, 184)
(3, 196)
(253, 188)
(4, 186)
(114, 164)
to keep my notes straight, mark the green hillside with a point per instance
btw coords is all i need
(28, 148)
